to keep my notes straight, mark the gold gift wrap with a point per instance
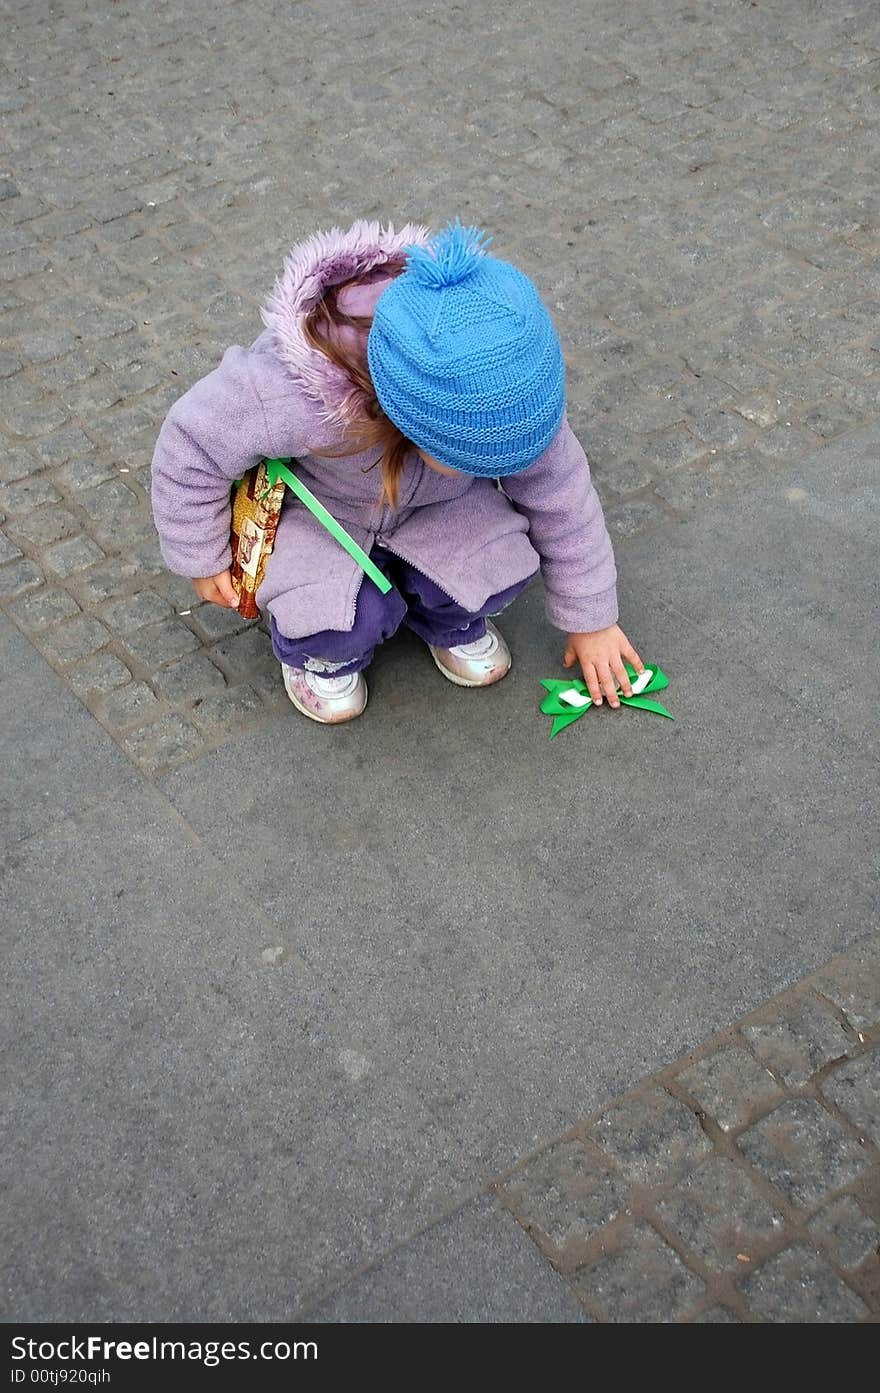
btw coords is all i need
(256, 507)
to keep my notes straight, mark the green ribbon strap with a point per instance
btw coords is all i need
(569, 699)
(277, 469)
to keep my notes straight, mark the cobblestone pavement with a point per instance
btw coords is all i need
(740, 1184)
(693, 187)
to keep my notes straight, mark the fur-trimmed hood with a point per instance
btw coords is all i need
(325, 259)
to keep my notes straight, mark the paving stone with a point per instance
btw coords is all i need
(845, 1229)
(70, 305)
(643, 1281)
(764, 409)
(853, 984)
(120, 352)
(44, 345)
(860, 362)
(796, 1286)
(48, 607)
(729, 364)
(669, 452)
(121, 428)
(157, 644)
(623, 476)
(270, 686)
(720, 428)
(565, 1195)
(797, 1039)
(28, 493)
(64, 445)
(653, 1137)
(42, 526)
(65, 373)
(76, 554)
(20, 391)
(228, 711)
(662, 377)
(131, 704)
(803, 1151)
(719, 1214)
(241, 654)
(64, 224)
(18, 576)
(731, 1086)
(90, 396)
(785, 442)
(75, 639)
(8, 551)
(631, 519)
(193, 677)
(855, 1089)
(110, 503)
(102, 673)
(103, 323)
(137, 377)
(216, 621)
(117, 576)
(643, 415)
(689, 489)
(85, 473)
(133, 612)
(17, 463)
(180, 594)
(830, 419)
(165, 742)
(27, 262)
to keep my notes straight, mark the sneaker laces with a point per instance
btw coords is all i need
(480, 648)
(325, 686)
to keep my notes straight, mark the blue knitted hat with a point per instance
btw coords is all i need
(464, 357)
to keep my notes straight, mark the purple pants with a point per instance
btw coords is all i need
(415, 601)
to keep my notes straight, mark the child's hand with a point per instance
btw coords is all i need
(601, 656)
(218, 589)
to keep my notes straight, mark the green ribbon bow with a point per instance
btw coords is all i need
(569, 699)
(277, 469)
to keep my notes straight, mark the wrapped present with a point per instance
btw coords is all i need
(256, 507)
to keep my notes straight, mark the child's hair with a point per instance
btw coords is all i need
(370, 426)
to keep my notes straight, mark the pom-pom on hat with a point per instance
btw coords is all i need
(464, 357)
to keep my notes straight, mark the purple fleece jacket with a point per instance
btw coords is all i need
(282, 398)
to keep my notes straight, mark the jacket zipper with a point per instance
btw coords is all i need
(399, 554)
(364, 579)
(384, 517)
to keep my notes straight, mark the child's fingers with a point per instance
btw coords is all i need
(568, 656)
(592, 680)
(632, 656)
(218, 590)
(609, 683)
(622, 676)
(227, 591)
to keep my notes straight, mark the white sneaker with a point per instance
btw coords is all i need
(329, 700)
(476, 664)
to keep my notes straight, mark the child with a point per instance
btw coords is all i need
(404, 374)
